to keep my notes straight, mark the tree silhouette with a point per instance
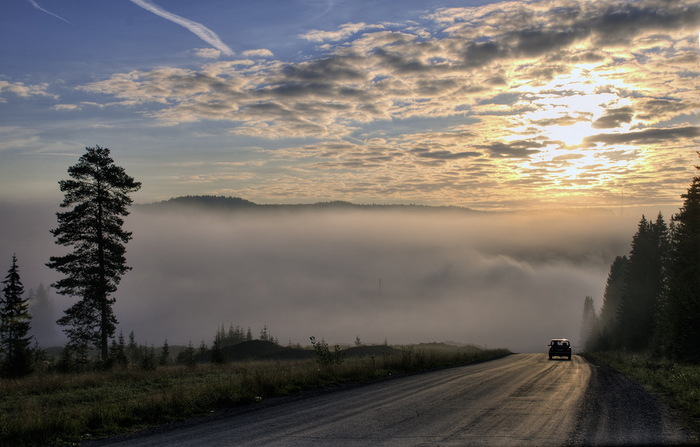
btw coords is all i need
(606, 329)
(682, 304)
(644, 283)
(588, 321)
(14, 326)
(98, 194)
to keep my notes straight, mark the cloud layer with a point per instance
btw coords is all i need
(540, 95)
(506, 105)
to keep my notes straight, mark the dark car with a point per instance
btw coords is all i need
(560, 347)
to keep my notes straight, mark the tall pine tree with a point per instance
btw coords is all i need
(682, 303)
(588, 322)
(644, 284)
(607, 333)
(15, 340)
(99, 196)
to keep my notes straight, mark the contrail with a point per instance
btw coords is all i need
(200, 30)
(48, 12)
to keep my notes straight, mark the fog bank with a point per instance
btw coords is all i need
(502, 280)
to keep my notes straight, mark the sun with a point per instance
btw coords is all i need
(567, 107)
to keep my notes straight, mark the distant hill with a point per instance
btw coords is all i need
(237, 203)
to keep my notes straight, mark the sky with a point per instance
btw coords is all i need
(564, 121)
(493, 106)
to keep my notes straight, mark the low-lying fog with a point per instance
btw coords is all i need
(500, 280)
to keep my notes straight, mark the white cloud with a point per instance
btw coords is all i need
(48, 12)
(345, 31)
(258, 53)
(208, 53)
(25, 91)
(198, 29)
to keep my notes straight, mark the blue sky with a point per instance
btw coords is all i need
(487, 105)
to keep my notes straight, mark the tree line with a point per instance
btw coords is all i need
(651, 301)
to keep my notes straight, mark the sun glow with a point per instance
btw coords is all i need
(569, 105)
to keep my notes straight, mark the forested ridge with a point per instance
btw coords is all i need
(237, 203)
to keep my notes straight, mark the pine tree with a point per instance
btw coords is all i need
(98, 194)
(217, 354)
(187, 356)
(606, 328)
(15, 340)
(682, 303)
(132, 350)
(164, 357)
(588, 321)
(644, 284)
(117, 353)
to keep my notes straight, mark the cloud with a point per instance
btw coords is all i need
(444, 155)
(66, 107)
(647, 136)
(208, 53)
(456, 97)
(257, 53)
(25, 91)
(614, 118)
(344, 32)
(34, 3)
(513, 149)
(198, 29)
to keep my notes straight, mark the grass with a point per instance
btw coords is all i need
(64, 409)
(677, 384)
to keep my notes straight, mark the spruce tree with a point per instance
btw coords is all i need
(644, 284)
(164, 357)
(217, 354)
(98, 195)
(682, 304)
(588, 322)
(606, 330)
(15, 340)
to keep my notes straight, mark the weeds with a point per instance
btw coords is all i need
(58, 408)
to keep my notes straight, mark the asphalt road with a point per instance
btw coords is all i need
(523, 399)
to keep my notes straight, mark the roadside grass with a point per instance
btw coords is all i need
(65, 409)
(678, 384)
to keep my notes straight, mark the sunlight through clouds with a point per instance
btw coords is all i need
(453, 106)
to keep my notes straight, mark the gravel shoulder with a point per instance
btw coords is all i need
(619, 411)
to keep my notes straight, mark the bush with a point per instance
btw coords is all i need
(324, 356)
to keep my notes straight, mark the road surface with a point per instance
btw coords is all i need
(522, 399)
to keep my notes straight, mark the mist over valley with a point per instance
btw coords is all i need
(399, 274)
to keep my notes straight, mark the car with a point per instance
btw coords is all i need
(559, 347)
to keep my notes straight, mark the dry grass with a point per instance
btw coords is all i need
(65, 408)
